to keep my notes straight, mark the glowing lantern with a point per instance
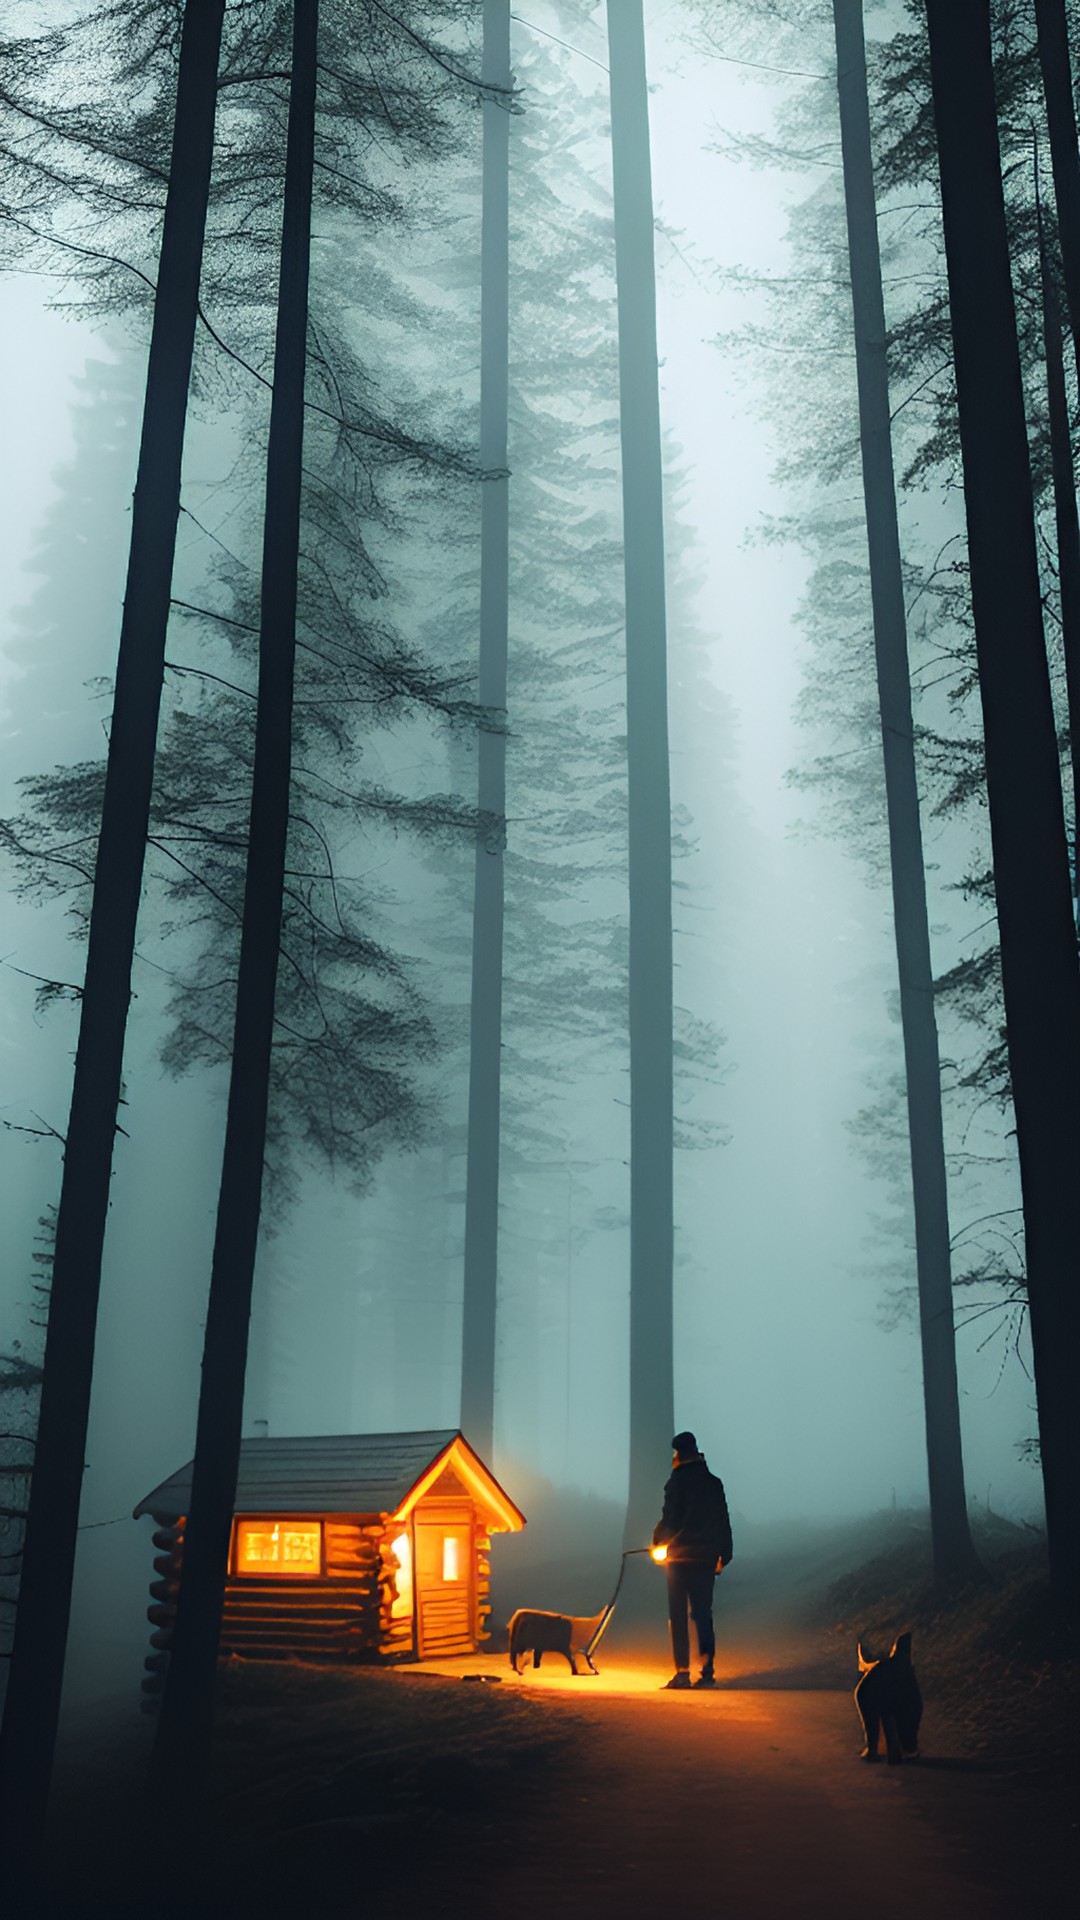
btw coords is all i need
(658, 1554)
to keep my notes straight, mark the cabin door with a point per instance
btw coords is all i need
(444, 1584)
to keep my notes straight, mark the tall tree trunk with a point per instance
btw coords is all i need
(1031, 868)
(33, 1697)
(184, 1725)
(1052, 31)
(651, 1068)
(954, 1555)
(1067, 523)
(485, 1031)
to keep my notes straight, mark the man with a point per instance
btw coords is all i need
(693, 1539)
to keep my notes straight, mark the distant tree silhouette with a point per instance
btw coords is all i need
(563, 1009)
(651, 1016)
(20, 1390)
(485, 1023)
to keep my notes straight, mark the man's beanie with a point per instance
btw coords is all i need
(684, 1446)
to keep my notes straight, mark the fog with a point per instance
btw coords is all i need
(803, 1386)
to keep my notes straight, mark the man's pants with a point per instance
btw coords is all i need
(690, 1585)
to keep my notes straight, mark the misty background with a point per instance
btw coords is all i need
(797, 1352)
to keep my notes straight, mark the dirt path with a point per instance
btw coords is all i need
(751, 1801)
(747, 1804)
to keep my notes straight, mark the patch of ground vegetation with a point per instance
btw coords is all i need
(298, 1743)
(999, 1673)
(993, 1655)
(326, 1781)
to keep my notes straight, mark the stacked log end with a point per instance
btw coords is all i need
(168, 1538)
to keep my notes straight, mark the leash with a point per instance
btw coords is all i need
(610, 1608)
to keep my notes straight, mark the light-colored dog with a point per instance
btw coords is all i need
(539, 1633)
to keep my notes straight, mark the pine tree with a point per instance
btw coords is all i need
(820, 444)
(183, 1733)
(239, 294)
(32, 1705)
(1066, 519)
(954, 1556)
(1031, 873)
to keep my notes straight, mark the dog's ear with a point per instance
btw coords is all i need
(902, 1648)
(866, 1660)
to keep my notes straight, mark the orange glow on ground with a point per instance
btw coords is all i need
(628, 1676)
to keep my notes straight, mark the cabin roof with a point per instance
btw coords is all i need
(365, 1473)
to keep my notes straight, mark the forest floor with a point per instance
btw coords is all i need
(347, 1791)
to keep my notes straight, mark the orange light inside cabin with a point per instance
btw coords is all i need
(291, 1548)
(402, 1604)
(451, 1557)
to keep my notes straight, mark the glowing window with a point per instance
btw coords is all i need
(291, 1549)
(451, 1557)
(402, 1602)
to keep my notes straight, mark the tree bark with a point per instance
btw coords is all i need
(954, 1554)
(1031, 869)
(33, 1697)
(651, 1016)
(1066, 521)
(1051, 27)
(184, 1725)
(485, 1029)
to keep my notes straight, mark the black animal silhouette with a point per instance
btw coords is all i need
(889, 1702)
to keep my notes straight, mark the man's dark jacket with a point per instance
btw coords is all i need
(694, 1524)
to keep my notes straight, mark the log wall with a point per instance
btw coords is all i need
(343, 1615)
(334, 1617)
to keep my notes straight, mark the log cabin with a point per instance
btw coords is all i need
(355, 1547)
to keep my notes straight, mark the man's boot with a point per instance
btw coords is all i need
(706, 1678)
